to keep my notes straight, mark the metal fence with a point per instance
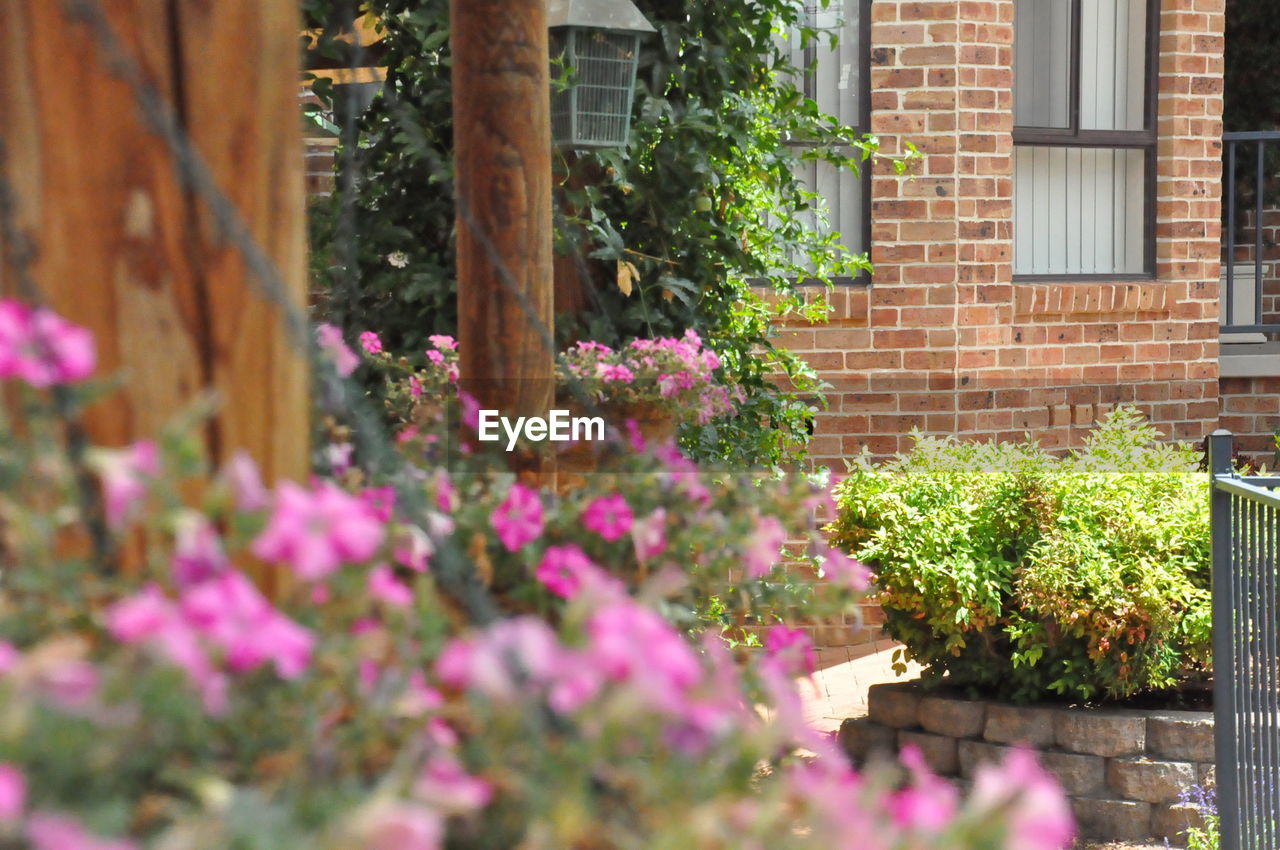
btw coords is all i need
(1245, 518)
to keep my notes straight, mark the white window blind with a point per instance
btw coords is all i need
(1081, 143)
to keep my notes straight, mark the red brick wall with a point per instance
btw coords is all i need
(944, 340)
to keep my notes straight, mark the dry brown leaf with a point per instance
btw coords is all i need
(628, 274)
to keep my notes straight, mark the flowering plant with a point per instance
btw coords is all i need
(678, 375)
(461, 661)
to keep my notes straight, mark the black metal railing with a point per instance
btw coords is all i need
(1247, 314)
(1245, 526)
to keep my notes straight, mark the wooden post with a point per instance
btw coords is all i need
(502, 140)
(126, 249)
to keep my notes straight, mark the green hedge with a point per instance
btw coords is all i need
(1027, 576)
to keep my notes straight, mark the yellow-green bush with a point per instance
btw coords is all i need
(1028, 576)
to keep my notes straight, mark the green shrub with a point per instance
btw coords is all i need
(1022, 575)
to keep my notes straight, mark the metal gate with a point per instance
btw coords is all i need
(1245, 522)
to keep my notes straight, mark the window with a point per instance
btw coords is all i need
(1084, 138)
(838, 79)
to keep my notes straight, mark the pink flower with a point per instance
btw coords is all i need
(413, 548)
(42, 348)
(649, 535)
(141, 616)
(448, 788)
(338, 456)
(330, 339)
(840, 569)
(197, 549)
(565, 570)
(381, 500)
(385, 587)
(402, 826)
(371, 342)
(1040, 818)
(443, 341)
(316, 531)
(13, 793)
(518, 520)
(125, 473)
(48, 831)
(446, 493)
(616, 373)
(72, 684)
(9, 657)
(630, 643)
(231, 612)
(792, 648)
(764, 547)
(435, 357)
(488, 662)
(241, 473)
(929, 803)
(608, 516)
(574, 688)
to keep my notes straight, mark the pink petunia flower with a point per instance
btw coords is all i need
(609, 516)
(48, 831)
(840, 569)
(649, 535)
(792, 649)
(519, 519)
(233, 614)
(443, 342)
(330, 339)
(371, 342)
(315, 531)
(9, 657)
(125, 473)
(1038, 814)
(764, 547)
(42, 348)
(385, 587)
(241, 473)
(444, 785)
(565, 569)
(13, 793)
(197, 550)
(402, 826)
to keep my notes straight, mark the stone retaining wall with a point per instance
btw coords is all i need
(1123, 769)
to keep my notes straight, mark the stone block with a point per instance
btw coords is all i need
(1205, 774)
(893, 704)
(1079, 775)
(1150, 780)
(1014, 724)
(939, 751)
(1112, 820)
(1181, 736)
(864, 740)
(973, 753)
(955, 718)
(1101, 733)
(1168, 822)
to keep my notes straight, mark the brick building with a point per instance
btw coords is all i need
(1057, 249)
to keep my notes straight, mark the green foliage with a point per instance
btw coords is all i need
(1019, 574)
(703, 203)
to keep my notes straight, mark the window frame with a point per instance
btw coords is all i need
(863, 127)
(1072, 136)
